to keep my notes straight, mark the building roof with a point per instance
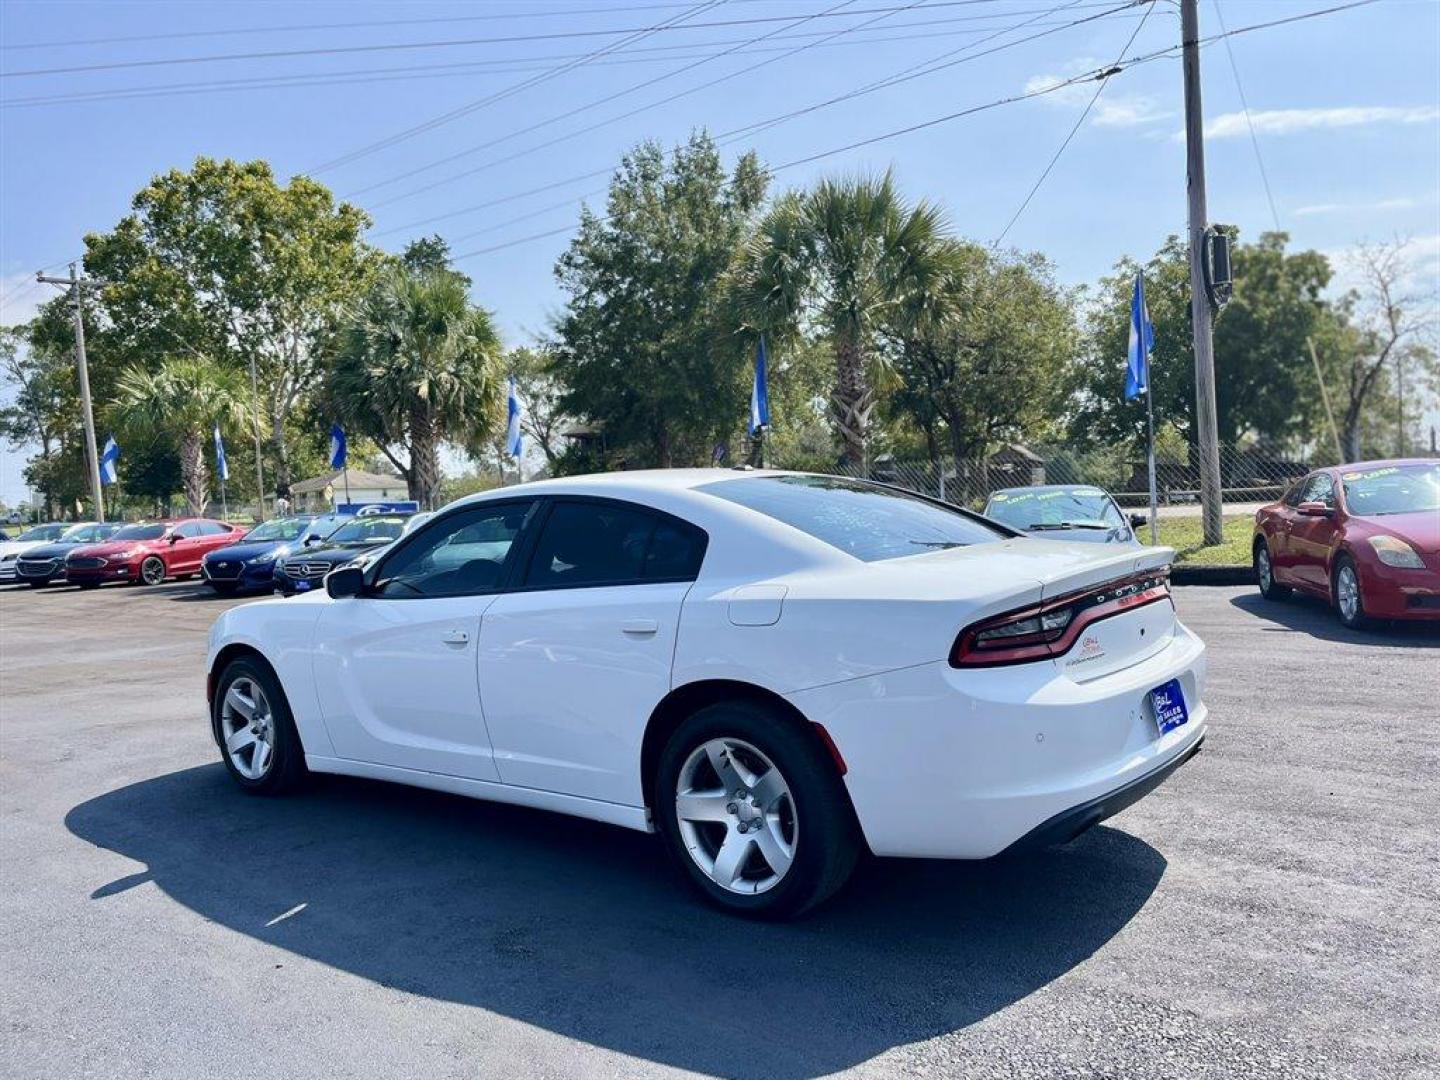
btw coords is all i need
(359, 478)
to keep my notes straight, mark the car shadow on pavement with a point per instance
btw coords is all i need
(1310, 615)
(583, 930)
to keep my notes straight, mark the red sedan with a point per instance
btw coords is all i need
(148, 552)
(1364, 537)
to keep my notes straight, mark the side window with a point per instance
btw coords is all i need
(188, 530)
(1320, 489)
(212, 528)
(1296, 495)
(675, 552)
(587, 543)
(462, 554)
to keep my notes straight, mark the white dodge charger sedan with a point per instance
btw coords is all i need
(774, 671)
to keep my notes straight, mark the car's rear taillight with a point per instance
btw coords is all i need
(1050, 628)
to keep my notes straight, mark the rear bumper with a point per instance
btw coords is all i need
(1068, 824)
(962, 764)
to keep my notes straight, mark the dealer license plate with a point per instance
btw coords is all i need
(1168, 703)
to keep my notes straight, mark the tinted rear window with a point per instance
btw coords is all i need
(864, 520)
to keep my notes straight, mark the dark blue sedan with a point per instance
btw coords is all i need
(249, 564)
(1064, 512)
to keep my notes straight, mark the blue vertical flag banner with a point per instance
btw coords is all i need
(222, 468)
(759, 394)
(514, 440)
(108, 457)
(337, 447)
(1142, 342)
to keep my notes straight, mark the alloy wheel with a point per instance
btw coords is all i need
(152, 571)
(247, 727)
(1262, 568)
(1347, 593)
(736, 816)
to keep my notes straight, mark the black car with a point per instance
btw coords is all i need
(352, 542)
(46, 563)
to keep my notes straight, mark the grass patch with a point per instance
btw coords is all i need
(1187, 536)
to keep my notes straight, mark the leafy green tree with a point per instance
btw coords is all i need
(543, 417)
(1265, 382)
(418, 365)
(988, 358)
(844, 258)
(224, 263)
(181, 400)
(646, 349)
(39, 413)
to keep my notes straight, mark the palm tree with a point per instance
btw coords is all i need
(182, 399)
(845, 256)
(419, 365)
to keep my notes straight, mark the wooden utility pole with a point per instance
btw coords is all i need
(1201, 314)
(92, 458)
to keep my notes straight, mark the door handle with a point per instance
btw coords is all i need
(456, 637)
(639, 626)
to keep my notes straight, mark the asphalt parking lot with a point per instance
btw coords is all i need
(1273, 910)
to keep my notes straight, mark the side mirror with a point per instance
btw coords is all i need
(313, 538)
(345, 581)
(174, 538)
(1314, 509)
(1138, 521)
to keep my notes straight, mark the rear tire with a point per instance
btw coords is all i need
(766, 830)
(1265, 574)
(255, 729)
(1345, 589)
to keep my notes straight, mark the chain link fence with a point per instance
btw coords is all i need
(1248, 474)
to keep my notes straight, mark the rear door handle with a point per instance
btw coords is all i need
(639, 626)
(456, 637)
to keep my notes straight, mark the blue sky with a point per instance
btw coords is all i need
(1347, 111)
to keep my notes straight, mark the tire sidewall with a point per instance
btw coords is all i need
(805, 774)
(287, 763)
(1275, 590)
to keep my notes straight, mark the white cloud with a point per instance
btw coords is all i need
(1419, 270)
(1114, 109)
(1380, 205)
(1289, 121)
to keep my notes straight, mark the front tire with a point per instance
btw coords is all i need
(1349, 604)
(1265, 574)
(256, 730)
(152, 570)
(752, 810)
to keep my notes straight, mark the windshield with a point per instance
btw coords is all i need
(861, 519)
(43, 532)
(140, 532)
(276, 529)
(1394, 489)
(88, 534)
(368, 530)
(1053, 508)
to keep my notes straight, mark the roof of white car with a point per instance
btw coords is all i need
(637, 479)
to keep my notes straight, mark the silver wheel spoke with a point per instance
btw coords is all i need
(773, 849)
(261, 758)
(730, 858)
(239, 739)
(240, 702)
(723, 764)
(769, 788)
(702, 806)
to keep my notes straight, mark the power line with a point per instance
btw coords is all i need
(1147, 58)
(541, 13)
(915, 71)
(1104, 82)
(612, 119)
(1249, 123)
(337, 50)
(505, 65)
(500, 95)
